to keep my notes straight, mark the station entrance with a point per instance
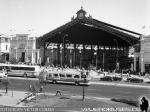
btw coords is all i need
(87, 42)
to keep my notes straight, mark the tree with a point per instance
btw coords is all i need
(42, 79)
(5, 82)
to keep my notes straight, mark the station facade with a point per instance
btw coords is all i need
(87, 42)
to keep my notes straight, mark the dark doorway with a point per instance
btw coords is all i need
(23, 57)
(7, 57)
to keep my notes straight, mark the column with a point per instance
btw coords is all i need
(92, 55)
(44, 54)
(64, 53)
(74, 56)
(83, 56)
(103, 58)
(142, 61)
(33, 57)
(58, 54)
(134, 62)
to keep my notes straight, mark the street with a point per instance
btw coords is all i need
(95, 90)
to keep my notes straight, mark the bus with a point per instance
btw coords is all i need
(20, 70)
(66, 76)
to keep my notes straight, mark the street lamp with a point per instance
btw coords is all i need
(83, 86)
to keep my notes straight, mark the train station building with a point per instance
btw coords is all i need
(90, 43)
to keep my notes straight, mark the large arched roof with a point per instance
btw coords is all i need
(86, 30)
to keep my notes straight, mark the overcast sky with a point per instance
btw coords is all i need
(41, 16)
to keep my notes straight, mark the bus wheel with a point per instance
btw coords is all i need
(76, 83)
(54, 82)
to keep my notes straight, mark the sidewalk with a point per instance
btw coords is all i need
(123, 84)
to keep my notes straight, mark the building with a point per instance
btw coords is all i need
(4, 48)
(142, 55)
(85, 41)
(23, 49)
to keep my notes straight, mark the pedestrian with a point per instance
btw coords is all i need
(30, 88)
(41, 89)
(58, 92)
(144, 105)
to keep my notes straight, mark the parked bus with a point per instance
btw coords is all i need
(66, 76)
(20, 70)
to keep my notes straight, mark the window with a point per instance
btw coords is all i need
(69, 76)
(23, 68)
(50, 75)
(76, 76)
(29, 68)
(30, 38)
(6, 47)
(62, 75)
(6, 39)
(83, 76)
(55, 75)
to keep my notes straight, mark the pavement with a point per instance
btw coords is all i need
(67, 102)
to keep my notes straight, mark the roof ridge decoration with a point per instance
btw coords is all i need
(81, 14)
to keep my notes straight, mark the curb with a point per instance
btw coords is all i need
(119, 84)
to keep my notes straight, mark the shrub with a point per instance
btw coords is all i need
(129, 102)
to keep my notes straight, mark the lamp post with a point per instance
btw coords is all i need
(83, 86)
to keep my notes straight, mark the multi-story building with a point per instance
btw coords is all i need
(4, 48)
(23, 49)
(143, 56)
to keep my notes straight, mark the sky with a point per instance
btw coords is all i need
(38, 17)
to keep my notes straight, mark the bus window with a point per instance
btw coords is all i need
(62, 75)
(83, 76)
(50, 75)
(55, 75)
(76, 76)
(29, 68)
(1, 67)
(69, 76)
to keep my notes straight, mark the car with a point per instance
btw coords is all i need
(106, 78)
(135, 80)
(116, 78)
(3, 75)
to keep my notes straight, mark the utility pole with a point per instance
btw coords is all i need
(83, 86)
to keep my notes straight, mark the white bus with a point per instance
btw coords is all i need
(63, 76)
(20, 70)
